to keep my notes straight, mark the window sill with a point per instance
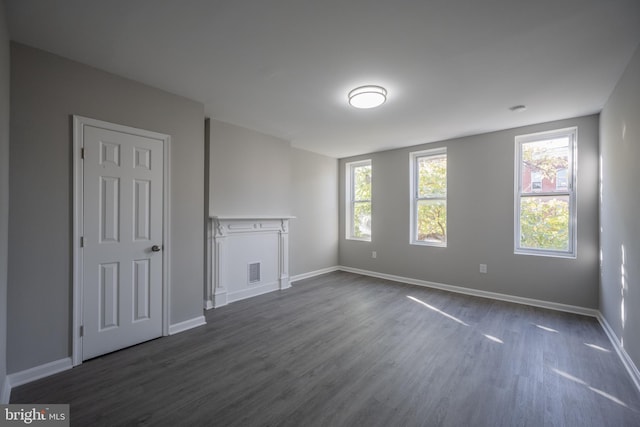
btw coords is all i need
(359, 239)
(545, 254)
(435, 245)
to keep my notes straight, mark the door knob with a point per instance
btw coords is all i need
(155, 248)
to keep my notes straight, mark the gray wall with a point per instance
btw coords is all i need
(620, 207)
(249, 174)
(480, 221)
(314, 192)
(4, 187)
(46, 91)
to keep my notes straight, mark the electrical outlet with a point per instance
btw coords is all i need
(374, 254)
(483, 268)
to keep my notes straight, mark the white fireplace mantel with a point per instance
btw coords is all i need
(247, 256)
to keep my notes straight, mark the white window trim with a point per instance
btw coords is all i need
(572, 132)
(349, 199)
(413, 176)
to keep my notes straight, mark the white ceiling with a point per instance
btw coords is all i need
(284, 67)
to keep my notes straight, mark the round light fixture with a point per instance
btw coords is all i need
(518, 108)
(367, 96)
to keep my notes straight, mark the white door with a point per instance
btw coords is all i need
(122, 236)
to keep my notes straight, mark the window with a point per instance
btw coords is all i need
(536, 181)
(545, 208)
(358, 195)
(561, 179)
(429, 197)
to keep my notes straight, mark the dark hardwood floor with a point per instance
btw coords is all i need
(347, 350)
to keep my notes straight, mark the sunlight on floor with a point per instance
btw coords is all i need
(597, 347)
(437, 310)
(569, 376)
(492, 338)
(545, 328)
(593, 389)
(608, 396)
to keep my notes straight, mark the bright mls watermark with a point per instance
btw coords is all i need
(34, 415)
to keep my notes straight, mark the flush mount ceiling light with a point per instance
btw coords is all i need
(518, 108)
(367, 96)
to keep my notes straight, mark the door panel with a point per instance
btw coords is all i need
(108, 295)
(141, 289)
(122, 210)
(109, 209)
(141, 212)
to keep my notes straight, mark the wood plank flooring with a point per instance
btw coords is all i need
(348, 350)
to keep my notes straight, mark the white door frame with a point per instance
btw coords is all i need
(79, 123)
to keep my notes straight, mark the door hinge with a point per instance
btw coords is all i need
(82, 242)
(82, 331)
(82, 153)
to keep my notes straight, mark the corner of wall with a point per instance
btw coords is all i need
(5, 391)
(4, 196)
(631, 368)
(619, 284)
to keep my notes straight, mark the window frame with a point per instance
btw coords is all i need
(414, 176)
(350, 200)
(571, 191)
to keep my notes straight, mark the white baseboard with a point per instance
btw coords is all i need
(5, 392)
(478, 293)
(42, 371)
(253, 291)
(631, 368)
(314, 273)
(32, 374)
(176, 328)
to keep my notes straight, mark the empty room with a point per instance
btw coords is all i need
(299, 213)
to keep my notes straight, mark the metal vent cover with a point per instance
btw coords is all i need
(254, 272)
